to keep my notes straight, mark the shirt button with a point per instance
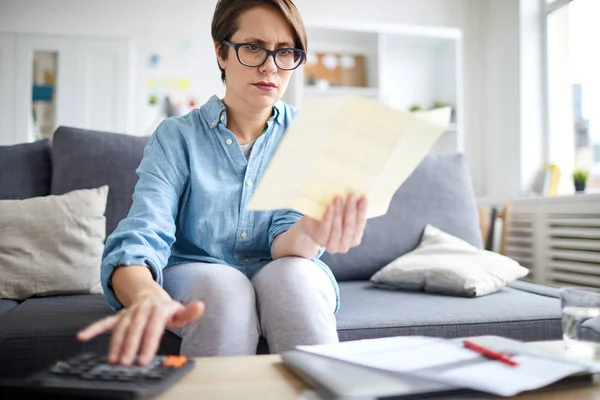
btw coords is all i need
(244, 235)
(213, 123)
(249, 182)
(229, 141)
(222, 118)
(246, 260)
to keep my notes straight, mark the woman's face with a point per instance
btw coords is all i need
(262, 86)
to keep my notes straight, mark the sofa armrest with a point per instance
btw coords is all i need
(535, 288)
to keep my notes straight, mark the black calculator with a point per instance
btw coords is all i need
(90, 376)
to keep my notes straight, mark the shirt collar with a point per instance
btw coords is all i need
(279, 107)
(215, 113)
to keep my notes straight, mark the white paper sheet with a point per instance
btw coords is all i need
(399, 354)
(447, 361)
(504, 380)
(347, 144)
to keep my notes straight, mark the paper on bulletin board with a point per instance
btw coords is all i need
(348, 144)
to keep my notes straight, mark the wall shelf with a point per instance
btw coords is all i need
(405, 66)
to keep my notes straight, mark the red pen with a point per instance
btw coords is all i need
(505, 358)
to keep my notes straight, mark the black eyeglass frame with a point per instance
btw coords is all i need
(272, 53)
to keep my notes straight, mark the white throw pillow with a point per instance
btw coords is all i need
(445, 264)
(52, 245)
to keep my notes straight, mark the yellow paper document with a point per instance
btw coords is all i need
(348, 144)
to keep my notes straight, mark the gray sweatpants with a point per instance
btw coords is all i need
(290, 301)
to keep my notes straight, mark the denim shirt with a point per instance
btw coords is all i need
(189, 204)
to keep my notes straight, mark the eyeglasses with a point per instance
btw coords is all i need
(253, 55)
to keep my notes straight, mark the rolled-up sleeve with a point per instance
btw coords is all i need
(146, 235)
(282, 221)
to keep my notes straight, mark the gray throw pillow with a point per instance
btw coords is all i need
(445, 264)
(52, 244)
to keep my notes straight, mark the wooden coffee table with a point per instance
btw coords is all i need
(265, 377)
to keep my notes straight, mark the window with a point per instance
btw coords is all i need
(573, 82)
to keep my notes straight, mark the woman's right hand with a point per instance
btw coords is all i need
(138, 329)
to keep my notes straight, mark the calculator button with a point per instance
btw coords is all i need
(153, 375)
(174, 361)
(65, 371)
(86, 366)
(60, 368)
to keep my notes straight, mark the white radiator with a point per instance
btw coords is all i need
(557, 238)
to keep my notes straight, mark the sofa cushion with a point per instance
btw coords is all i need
(6, 305)
(367, 312)
(535, 288)
(42, 330)
(25, 170)
(84, 159)
(439, 192)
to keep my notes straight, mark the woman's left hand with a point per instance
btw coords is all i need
(342, 226)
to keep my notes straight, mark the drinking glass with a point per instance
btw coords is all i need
(581, 320)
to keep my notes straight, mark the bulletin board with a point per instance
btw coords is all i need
(336, 68)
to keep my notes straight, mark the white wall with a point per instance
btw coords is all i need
(491, 55)
(513, 141)
(501, 139)
(532, 42)
(150, 25)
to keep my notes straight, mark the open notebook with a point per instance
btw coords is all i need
(423, 367)
(346, 144)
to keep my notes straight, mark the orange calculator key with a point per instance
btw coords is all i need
(174, 361)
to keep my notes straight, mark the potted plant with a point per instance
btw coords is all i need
(579, 178)
(438, 104)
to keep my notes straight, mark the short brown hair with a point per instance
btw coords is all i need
(227, 12)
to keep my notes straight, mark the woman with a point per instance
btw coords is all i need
(189, 256)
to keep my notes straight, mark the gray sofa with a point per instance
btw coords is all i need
(37, 331)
